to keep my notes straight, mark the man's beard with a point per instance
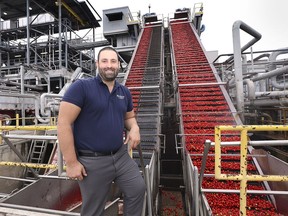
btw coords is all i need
(110, 76)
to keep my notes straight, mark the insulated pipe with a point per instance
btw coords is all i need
(36, 104)
(42, 103)
(268, 102)
(271, 73)
(236, 26)
(272, 94)
(251, 88)
(272, 58)
(237, 60)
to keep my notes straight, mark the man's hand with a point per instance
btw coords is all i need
(75, 171)
(133, 137)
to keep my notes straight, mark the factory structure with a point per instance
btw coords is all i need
(213, 127)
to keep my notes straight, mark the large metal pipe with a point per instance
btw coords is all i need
(251, 89)
(268, 102)
(237, 60)
(36, 103)
(43, 106)
(272, 73)
(272, 58)
(272, 94)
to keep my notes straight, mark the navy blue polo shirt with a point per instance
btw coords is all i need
(100, 124)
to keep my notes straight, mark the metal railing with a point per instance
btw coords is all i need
(243, 177)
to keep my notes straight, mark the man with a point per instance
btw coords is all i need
(92, 116)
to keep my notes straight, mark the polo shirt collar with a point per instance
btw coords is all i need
(99, 80)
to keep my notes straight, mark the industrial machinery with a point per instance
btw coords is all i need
(213, 134)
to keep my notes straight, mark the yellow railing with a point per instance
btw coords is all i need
(243, 177)
(7, 128)
(51, 126)
(29, 165)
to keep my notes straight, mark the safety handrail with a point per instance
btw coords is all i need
(243, 177)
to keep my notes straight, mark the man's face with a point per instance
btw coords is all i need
(108, 65)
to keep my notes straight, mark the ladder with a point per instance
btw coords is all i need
(36, 155)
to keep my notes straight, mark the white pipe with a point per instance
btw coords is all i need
(251, 89)
(267, 75)
(271, 73)
(272, 58)
(237, 50)
(36, 104)
(268, 102)
(272, 94)
(42, 103)
(238, 70)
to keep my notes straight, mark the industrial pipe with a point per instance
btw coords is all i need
(42, 103)
(36, 103)
(251, 88)
(237, 60)
(272, 94)
(268, 102)
(272, 73)
(272, 58)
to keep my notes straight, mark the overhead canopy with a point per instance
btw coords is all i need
(79, 13)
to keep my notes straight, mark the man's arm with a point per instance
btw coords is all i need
(133, 136)
(68, 112)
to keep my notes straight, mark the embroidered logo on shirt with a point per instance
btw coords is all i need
(120, 97)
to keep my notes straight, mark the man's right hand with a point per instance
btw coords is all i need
(75, 171)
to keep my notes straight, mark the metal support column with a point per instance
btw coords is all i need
(28, 32)
(60, 31)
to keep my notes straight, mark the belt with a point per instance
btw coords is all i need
(88, 153)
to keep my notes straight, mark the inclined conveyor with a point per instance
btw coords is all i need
(203, 104)
(143, 80)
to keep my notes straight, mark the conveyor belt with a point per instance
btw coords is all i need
(202, 107)
(144, 83)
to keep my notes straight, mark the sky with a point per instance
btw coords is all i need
(268, 17)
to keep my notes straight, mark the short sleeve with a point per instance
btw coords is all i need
(75, 94)
(130, 102)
